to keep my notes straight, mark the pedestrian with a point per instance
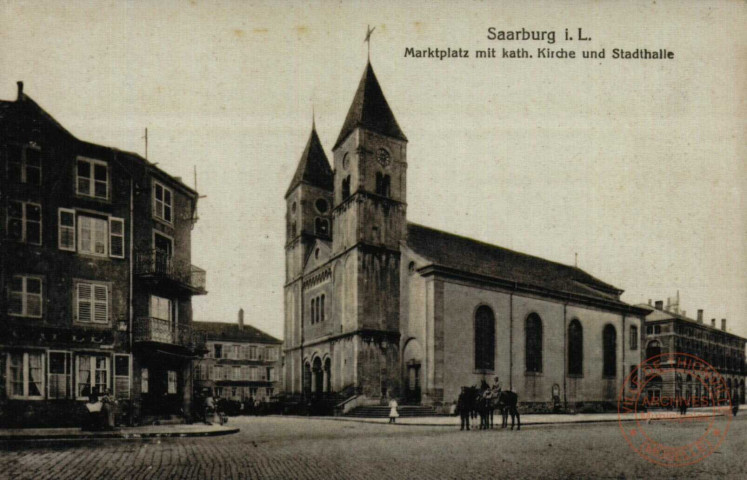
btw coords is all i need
(210, 409)
(735, 404)
(108, 410)
(463, 409)
(393, 414)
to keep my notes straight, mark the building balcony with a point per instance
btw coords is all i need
(157, 330)
(159, 267)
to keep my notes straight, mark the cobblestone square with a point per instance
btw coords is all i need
(300, 448)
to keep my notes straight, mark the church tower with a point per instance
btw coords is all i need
(369, 222)
(308, 219)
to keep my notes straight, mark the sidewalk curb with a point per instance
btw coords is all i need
(456, 424)
(118, 435)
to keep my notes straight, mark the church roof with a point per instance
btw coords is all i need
(233, 332)
(370, 110)
(467, 255)
(313, 168)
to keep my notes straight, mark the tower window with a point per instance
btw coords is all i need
(383, 183)
(346, 187)
(322, 226)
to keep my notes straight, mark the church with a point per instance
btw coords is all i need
(377, 307)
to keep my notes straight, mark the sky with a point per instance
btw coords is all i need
(635, 166)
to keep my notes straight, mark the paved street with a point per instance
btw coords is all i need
(289, 448)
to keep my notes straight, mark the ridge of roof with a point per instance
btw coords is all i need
(666, 315)
(466, 254)
(313, 167)
(370, 110)
(27, 101)
(232, 331)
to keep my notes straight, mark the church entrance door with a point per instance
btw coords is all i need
(412, 392)
(318, 375)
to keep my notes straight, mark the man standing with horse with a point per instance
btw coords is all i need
(464, 407)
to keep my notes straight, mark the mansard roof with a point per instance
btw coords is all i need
(370, 110)
(217, 331)
(313, 168)
(473, 257)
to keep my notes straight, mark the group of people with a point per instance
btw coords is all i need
(214, 410)
(102, 410)
(470, 397)
(484, 401)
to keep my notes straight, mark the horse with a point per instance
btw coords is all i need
(507, 403)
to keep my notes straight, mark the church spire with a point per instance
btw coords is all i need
(313, 167)
(370, 110)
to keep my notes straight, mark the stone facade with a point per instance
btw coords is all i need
(96, 276)
(400, 302)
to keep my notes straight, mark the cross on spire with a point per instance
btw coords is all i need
(369, 31)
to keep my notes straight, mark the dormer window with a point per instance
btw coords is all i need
(92, 178)
(163, 199)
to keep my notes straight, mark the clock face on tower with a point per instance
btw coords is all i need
(383, 157)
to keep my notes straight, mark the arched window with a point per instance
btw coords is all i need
(346, 187)
(633, 337)
(575, 348)
(609, 351)
(322, 310)
(383, 183)
(653, 349)
(484, 338)
(322, 226)
(533, 343)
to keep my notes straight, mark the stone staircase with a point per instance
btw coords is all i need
(381, 411)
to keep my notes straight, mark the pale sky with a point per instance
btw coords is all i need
(637, 166)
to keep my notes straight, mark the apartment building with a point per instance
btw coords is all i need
(95, 274)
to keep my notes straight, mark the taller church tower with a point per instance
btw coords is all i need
(344, 229)
(369, 221)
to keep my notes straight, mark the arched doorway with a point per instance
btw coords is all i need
(317, 384)
(327, 375)
(307, 379)
(412, 358)
(653, 390)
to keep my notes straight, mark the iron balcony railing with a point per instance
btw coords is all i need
(160, 264)
(158, 330)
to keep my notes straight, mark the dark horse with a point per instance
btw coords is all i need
(507, 403)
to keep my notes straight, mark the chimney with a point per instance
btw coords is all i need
(241, 318)
(700, 315)
(659, 305)
(713, 322)
(723, 324)
(20, 91)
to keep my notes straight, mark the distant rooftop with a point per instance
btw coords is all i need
(234, 332)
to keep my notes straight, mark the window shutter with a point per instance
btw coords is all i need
(84, 302)
(101, 304)
(66, 229)
(116, 237)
